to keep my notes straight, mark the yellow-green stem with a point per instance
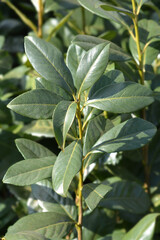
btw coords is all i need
(140, 66)
(80, 184)
(59, 25)
(40, 18)
(26, 20)
(83, 20)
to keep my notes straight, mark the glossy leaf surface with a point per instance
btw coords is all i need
(121, 97)
(47, 224)
(63, 118)
(144, 229)
(131, 134)
(74, 56)
(42, 83)
(25, 235)
(128, 196)
(93, 193)
(29, 171)
(111, 77)
(31, 149)
(91, 66)
(87, 42)
(67, 164)
(95, 7)
(36, 104)
(48, 62)
(50, 201)
(95, 129)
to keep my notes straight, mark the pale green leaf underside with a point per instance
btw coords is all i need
(67, 164)
(29, 171)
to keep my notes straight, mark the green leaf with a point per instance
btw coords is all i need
(31, 149)
(87, 42)
(25, 235)
(91, 67)
(95, 7)
(74, 56)
(109, 7)
(127, 196)
(48, 85)
(49, 225)
(39, 128)
(111, 77)
(67, 165)
(48, 62)
(63, 118)
(95, 129)
(144, 229)
(38, 103)
(129, 135)
(93, 193)
(121, 97)
(50, 201)
(97, 224)
(149, 33)
(29, 171)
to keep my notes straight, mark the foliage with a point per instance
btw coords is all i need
(81, 101)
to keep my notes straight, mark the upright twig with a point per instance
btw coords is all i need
(80, 184)
(23, 17)
(83, 20)
(140, 67)
(40, 18)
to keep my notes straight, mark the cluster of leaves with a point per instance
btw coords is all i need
(91, 104)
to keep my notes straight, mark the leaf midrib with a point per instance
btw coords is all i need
(114, 98)
(53, 66)
(30, 171)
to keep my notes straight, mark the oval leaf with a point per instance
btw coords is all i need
(32, 149)
(93, 193)
(74, 56)
(144, 229)
(48, 225)
(87, 42)
(48, 62)
(92, 66)
(121, 97)
(36, 104)
(63, 118)
(29, 171)
(127, 196)
(67, 165)
(50, 201)
(131, 134)
(26, 235)
(95, 7)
